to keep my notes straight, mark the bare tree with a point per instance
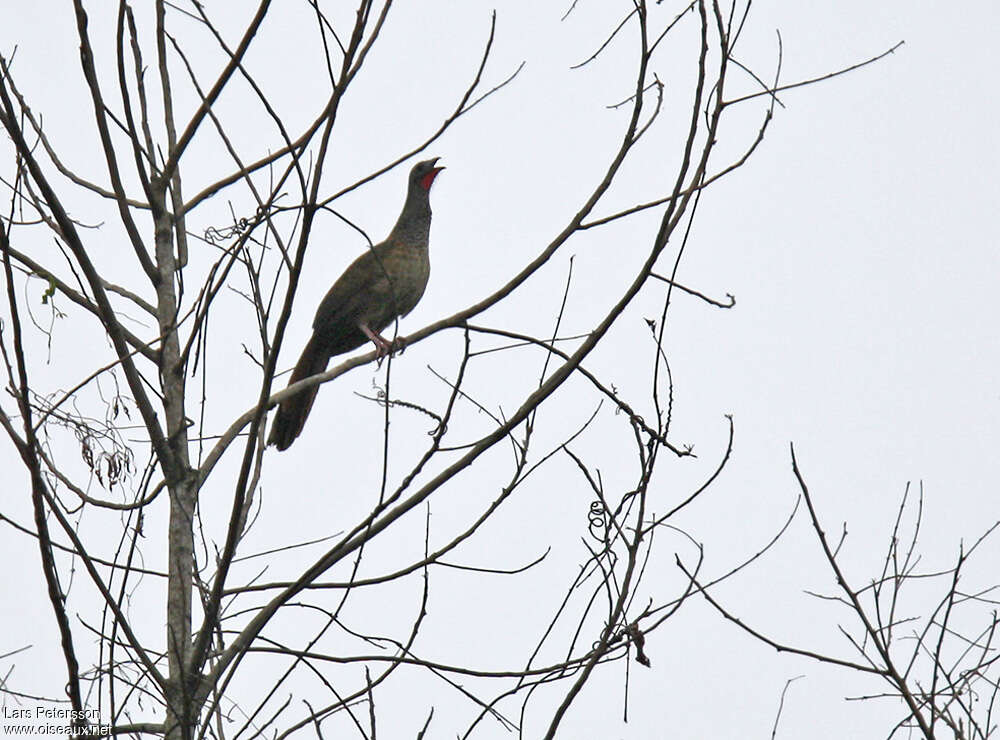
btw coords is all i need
(138, 421)
(941, 667)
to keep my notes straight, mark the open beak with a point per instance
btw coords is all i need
(428, 179)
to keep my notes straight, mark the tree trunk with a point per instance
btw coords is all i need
(182, 713)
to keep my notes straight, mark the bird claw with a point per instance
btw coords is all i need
(384, 348)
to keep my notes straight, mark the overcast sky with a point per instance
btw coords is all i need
(860, 245)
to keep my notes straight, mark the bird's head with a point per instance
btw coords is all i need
(423, 173)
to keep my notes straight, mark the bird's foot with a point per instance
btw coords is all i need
(385, 348)
(396, 346)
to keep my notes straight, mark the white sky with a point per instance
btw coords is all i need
(859, 242)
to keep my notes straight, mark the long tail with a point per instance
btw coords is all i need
(292, 412)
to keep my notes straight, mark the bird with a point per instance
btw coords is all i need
(383, 284)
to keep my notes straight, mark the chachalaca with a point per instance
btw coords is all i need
(381, 285)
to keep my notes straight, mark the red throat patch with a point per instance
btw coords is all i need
(427, 180)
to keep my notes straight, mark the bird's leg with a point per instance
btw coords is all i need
(383, 346)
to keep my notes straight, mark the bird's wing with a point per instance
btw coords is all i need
(362, 289)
